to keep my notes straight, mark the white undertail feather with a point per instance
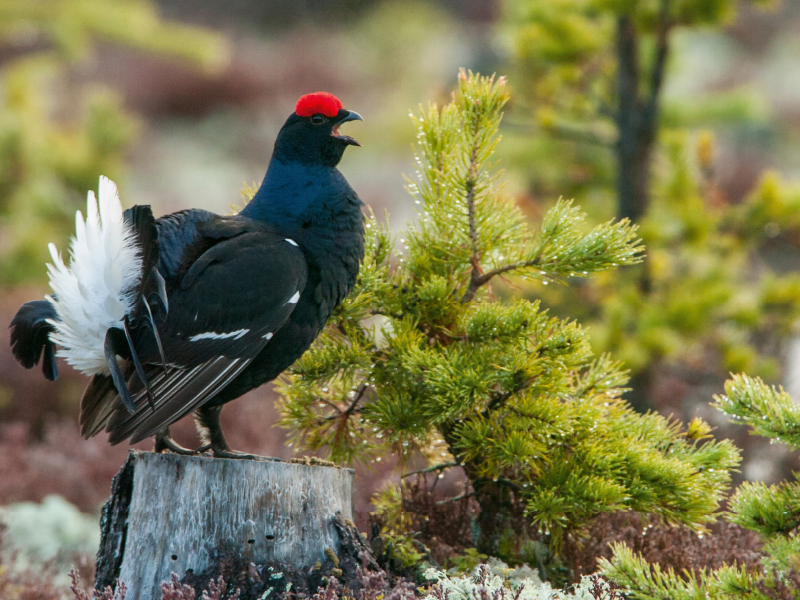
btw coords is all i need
(98, 288)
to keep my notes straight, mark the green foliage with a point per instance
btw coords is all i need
(771, 510)
(709, 298)
(643, 581)
(466, 562)
(47, 161)
(422, 358)
(769, 411)
(70, 26)
(771, 210)
(388, 507)
(568, 63)
(708, 301)
(403, 551)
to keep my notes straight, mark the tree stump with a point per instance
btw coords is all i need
(169, 513)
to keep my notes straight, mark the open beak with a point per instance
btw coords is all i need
(349, 115)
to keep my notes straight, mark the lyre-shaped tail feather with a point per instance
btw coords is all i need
(98, 288)
(30, 337)
(152, 301)
(110, 289)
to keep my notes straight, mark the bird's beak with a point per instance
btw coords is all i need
(349, 115)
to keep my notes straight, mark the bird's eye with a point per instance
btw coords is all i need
(317, 119)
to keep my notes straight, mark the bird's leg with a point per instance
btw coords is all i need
(165, 442)
(210, 430)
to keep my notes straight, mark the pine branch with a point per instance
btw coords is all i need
(768, 410)
(645, 581)
(463, 496)
(560, 250)
(770, 510)
(440, 467)
(514, 394)
(486, 277)
(503, 481)
(473, 227)
(351, 408)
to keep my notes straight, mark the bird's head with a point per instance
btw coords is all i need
(311, 135)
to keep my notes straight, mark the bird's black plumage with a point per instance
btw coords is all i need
(229, 302)
(30, 329)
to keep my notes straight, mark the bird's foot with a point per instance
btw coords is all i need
(164, 442)
(228, 453)
(214, 439)
(225, 453)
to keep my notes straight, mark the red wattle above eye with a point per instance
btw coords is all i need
(318, 102)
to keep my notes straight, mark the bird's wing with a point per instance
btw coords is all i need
(177, 393)
(222, 311)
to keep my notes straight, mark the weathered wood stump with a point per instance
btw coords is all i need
(185, 514)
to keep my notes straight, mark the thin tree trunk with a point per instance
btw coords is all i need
(497, 516)
(632, 155)
(637, 113)
(500, 511)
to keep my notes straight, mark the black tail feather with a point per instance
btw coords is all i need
(152, 286)
(138, 366)
(156, 335)
(151, 289)
(158, 288)
(30, 337)
(49, 365)
(111, 349)
(144, 226)
(97, 405)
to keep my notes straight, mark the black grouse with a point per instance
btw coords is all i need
(184, 313)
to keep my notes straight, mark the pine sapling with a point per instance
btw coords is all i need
(431, 358)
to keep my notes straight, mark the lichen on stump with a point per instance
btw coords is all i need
(273, 522)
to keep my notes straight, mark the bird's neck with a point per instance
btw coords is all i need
(313, 205)
(316, 208)
(293, 193)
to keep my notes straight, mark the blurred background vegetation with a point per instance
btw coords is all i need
(179, 101)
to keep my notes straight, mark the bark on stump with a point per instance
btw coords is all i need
(169, 513)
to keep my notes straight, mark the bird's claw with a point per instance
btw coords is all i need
(164, 442)
(221, 452)
(234, 454)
